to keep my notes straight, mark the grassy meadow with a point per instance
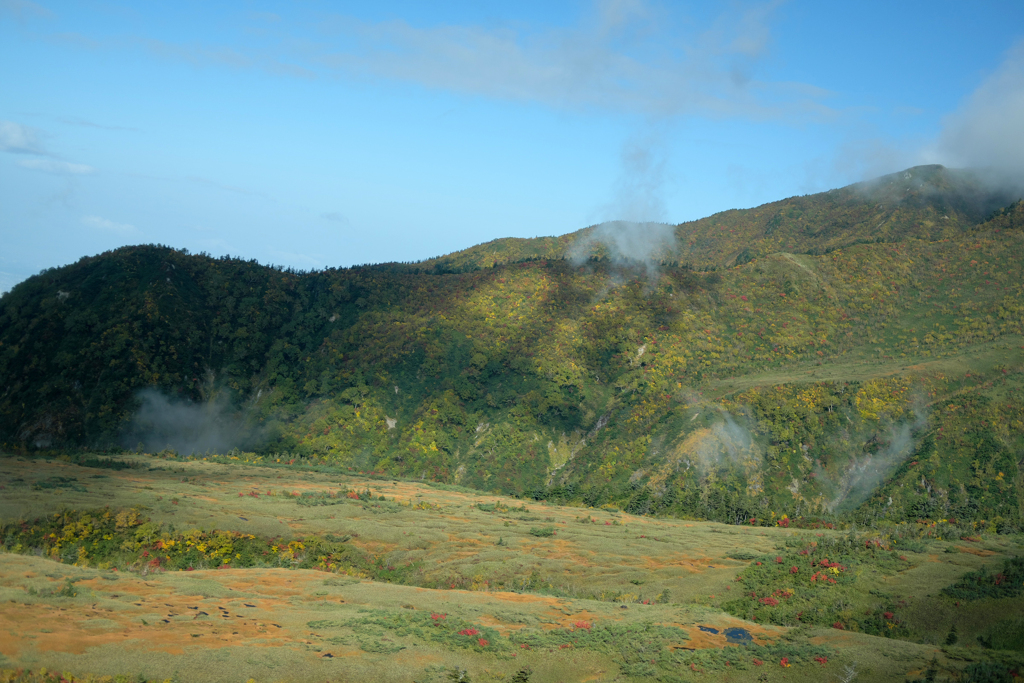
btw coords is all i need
(191, 570)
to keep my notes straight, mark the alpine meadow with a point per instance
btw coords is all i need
(781, 443)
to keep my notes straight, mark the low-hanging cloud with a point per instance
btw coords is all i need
(187, 427)
(987, 131)
(866, 473)
(635, 233)
(626, 242)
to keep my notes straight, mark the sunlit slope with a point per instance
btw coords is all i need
(793, 383)
(924, 202)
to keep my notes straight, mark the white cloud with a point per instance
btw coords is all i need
(627, 56)
(987, 131)
(107, 225)
(56, 167)
(609, 63)
(19, 139)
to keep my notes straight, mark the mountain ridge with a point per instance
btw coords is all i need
(949, 200)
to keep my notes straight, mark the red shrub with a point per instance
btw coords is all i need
(469, 632)
(839, 625)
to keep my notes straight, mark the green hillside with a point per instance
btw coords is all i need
(856, 352)
(925, 202)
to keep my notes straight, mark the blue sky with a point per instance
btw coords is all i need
(315, 134)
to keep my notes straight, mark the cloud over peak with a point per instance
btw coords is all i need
(987, 131)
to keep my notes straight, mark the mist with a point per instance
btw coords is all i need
(185, 427)
(625, 242)
(987, 131)
(868, 472)
(635, 230)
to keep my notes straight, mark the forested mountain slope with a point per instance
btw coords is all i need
(865, 355)
(925, 202)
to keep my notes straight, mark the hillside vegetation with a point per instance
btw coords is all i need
(857, 352)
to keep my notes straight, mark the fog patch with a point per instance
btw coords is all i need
(186, 427)
(635, 232)
(625, 243)
(864, 474)
(726, 443)
(987, 131)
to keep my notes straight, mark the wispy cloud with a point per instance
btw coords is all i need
(200, 55)
(75, 121)
(222, 186)
(335, 217)
(986, 132)
(988, 129)
(606, 63)
(23, 10)
(107, 225)
(56, 167)
(624, 56)
(18, 139)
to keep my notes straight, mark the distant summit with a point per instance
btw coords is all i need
(923, 202)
